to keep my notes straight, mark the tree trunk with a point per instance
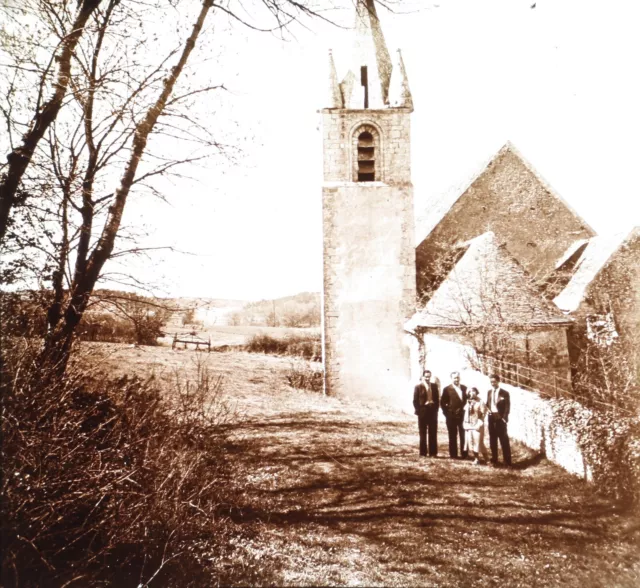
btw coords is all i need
(58, 346)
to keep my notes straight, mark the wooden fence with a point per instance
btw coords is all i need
(545, 383)
(191, 340)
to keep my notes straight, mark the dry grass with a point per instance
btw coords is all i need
(235, 335)
(340, 496)
(106, 482)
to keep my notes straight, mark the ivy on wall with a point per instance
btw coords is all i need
(609, 443)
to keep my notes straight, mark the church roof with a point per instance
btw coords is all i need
(591, 260)
(437, 207)
(486, 287)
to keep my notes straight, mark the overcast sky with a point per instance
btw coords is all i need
(559, 80)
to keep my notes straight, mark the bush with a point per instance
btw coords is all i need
(106, 327)
(303, 375)
(110, 328)
(24, 314)
(106, 483)
(307, 346)
(610, 445)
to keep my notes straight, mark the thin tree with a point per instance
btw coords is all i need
(92, 249)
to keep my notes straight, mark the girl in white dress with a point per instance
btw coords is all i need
(474, 414)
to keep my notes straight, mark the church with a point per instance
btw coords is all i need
(497, 261)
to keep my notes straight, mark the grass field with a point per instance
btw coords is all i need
(233, 335)
(337, 495)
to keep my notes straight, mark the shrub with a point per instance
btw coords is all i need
(103, 326)
(609, 443)
(24, 314)
(108, 327)
(307, 346)
(105, 482)
(608, 440)
(148, 329)
(303, 375)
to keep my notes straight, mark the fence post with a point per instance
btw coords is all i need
(555, 383)
(517, 376)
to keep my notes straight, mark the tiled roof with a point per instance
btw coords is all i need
(487, 286)
(596, 255)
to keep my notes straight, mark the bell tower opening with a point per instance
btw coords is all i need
(366, 158)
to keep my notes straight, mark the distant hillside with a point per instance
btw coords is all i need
(180, 311)
(300, 310)
(190, 302)
(204, 311)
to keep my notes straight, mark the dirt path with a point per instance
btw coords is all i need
(345, 500)
(340, 497)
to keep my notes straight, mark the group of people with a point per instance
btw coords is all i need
(465, 413)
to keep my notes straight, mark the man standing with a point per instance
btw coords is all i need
(454, 397)
(499, 405)
(426, 400)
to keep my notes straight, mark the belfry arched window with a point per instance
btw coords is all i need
(367, 154)
(366, 157)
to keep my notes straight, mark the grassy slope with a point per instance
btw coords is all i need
(340, 496)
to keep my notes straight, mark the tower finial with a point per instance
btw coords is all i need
(399, 93)
(334, 96)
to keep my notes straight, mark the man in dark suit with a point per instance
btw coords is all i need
(499, 405)
(426, 400)
(454, 398)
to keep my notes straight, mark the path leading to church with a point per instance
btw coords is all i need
(341, 498)
(333, 493)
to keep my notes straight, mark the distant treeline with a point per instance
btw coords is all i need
(114, 316)
(301, 310)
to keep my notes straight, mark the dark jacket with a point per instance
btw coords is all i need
(503, 404)
(452, 405)
(420, 397)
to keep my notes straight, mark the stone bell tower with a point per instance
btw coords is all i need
(367, 200)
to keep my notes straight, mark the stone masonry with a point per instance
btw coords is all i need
(369, 255)
(368, 219)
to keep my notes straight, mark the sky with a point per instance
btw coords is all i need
(559, 80)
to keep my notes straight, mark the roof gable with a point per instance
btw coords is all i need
(511, 200)
(486, 287)
(439, 206)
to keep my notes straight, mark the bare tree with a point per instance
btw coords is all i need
(46, 111)
(116, 102)
(90, 261)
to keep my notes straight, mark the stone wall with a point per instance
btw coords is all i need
(369, 256)
(393, 153)
(616, 289)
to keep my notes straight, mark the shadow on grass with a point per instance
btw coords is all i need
(336, 483)
(531, 461)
